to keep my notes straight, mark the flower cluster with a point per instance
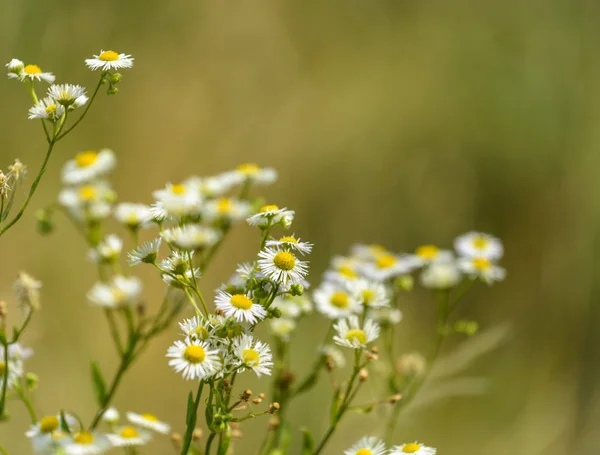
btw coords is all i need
(374, 446)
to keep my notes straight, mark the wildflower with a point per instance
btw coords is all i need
(146, 253)
(107, 251)
(129, 436)
(414, 448)
(194, 358)
(426, 254)
(17, 354)
(90, 202)
(46, 432)
(88, 166)
(18, 70)
(478, 244)
(47, 109)
(111, 415)
(191, 236)
(148, 422)
(270, 215)
(291, 243)
(133, 215)
(182, 199)
(387, 266)
(17, 170)
(196, 329)
(282, 328)
(343, 269)
(253, 173)
(68, 95)
(371, 294)
(119, 292)
(240, 307)
(225, 208)
(27, 290)
(109, 60)
(336, 302)
(441, 275)
(282, 266)
(252, 354)
(350, 333)
(15, 66)
(481, 267)
(368, 252)
(4, 184)
(386, 316)
(367, 446)
(85, 443)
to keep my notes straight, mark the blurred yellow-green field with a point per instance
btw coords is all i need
(391, 122)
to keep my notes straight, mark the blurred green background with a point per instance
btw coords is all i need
(396, 122)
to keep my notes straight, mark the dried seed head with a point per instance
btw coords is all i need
(196, 434)
(245, 395)
(395, 398)
(273, 423)
(273, 408)
(176, 440)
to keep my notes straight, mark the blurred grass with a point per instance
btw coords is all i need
(391, 122)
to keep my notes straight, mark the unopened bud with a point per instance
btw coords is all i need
(273, 423)
(395, 398)
(296, 289)
(32, 381)
(273, 408)
(176, 440)
(114, 78)
(112, 91)
(246, 394)
(363, 375)
(196, 434)
(44, 221)
(405, 283)
(257, 401)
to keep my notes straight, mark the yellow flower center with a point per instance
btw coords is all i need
(250, 357)
(340, 300)
(288, 240)
(129, 433)
(248, 169)
(284, 260)
(268, 208)
(363, 452)
(178, 189)
(356, 334)
(411, 448)
(49, 424)
(32, 69)
(50, 109)
(85, 159)
(427, 252)
(84, 437)
(480, 242)
(150, 417)
(367, 296)
(241, 301)
(132, 219)
(108, 56)
(377, 249)
(194, 354)
(481, 263)
(386, 261)
(224, 205)
(88, 193)
(347, 272)
(202, 333)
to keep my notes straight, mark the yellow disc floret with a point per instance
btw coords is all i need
(150, 417)
(367, 295)
(248, 169)
(108, 56)
(284, 260)
(363, 452)
(356, 334)
(480, 242)
(32, 69)
(250, 357)
(179, 189)
(340, 300)
(85, 159)
(49, 424)
(481, 263)
(129, 433)
(84, 437)
(241, 301)
(411, 448)
(202, 333)
(194, 354)
(224, 205)
(88, 193)
(51, 109)
(386, 261)
(268, 208)
(427, 252)
(288, 240)
(347, 272)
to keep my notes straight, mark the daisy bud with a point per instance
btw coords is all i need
(112, 91)
(273, 408)
(261, 396)
(274, 312)
(44, 221)
(469, 328)
(257, 401)
(114, 78)
(405, 283)
(246, 394)
(296, 289)
(363, 375)
(15, 66)
(32, 381)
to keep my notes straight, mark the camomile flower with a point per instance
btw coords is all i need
(282, 328)
(120, 291)
(111, 416)
(191, 236)
(240, 307)
(441, 275)
(47, 109)
(46, 432)
(385, 316)
(478, 244)
(282, 266)
(350, 334)
(426, 254)
(89, 202)
(371, 294)
(481, 267)
(108, 250)
(16, 356)
(17, 70)
(145, 253)
(14, 67)
(68, 95)
(367, 446)
(187, 277)
(335, 301)
(181, 199)
(133, 215)
(88, 166)
(415, 448)
(211, 187)
(195, 359)
(270, 215)
(129, 436)
(226, 208)
(109, 60)
(85, 443)
(253, 173)
(291, 243)
(334, 355)
(343, 269)
(148, 422)
(252, 354)
(196, 328)
(388, 266)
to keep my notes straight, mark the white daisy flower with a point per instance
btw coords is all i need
(388, 266)
(129, 436)
(195, 359)
(148, 422)
(120, 291)
(481, 267)
(253, 173)
(386, 315)
(68, 95)
(426, 254)
(441, 275)
(252, 354)
(282, 327)
(47, 109)
(368, 252)
(196, 328)
(282, 266)
(133, 215)
(108, 250)
(335, 301)
(109, 60)
(17, 354)
(88, 202)
(226, 208)
(88, 166)
(350, 334)
(49, 425)
(111, 416)
(85, 443)
(270, 215)
(334, 355)
(15, 66)
(191, 236)
(17, 70)
(187, 276)
(343, 269)
(291, 243)
(240, 307)
(367, 446)
(478, 244)
(415, 448)
(211, 187)
(145, 253)
(371, 294)
(181, 199)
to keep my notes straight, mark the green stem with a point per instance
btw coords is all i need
(4, 379)
(191, 422)
(27, 402)
(209, 442)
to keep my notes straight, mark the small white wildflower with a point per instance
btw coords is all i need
(91, 202)
(343, 269)
(386, 315)
(109, 60)
(270, 215)
(129, 436)
(133, 215)
(371, 294)
(478, 244)
(17, 70)
(364, 252)
(388, 266)
(441, 275)
(196, 328)
(191, 236)
(282, 266)
(84, 443)
(253, 173)
(240, 307)
(46, 433)
(15, 66)
(335, 301)
(120, 291)
(146, 253)
(148, 422)
(252, 354)
(195, 359)
(108, 250)
(47, 109)
(111, 415)
(414, 448)
(350, 334)
(282, 327)
(225, 208)
(88, 166)
(291, 243)
(367, 446)
(68, 95)
(17, 354)
(426, 254)
(481, 267)
(182, 199)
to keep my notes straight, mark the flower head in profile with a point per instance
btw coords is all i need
(367, 446)
(68, 95)
(14, 67)
(483, 268)
(291, 243)
(194, 359)
(441, 275)
(388, 265)
(88, 166)
(177, 200)
(133, 215)
(84, 443)
(107, 251)
(120, 291)
(47, 432)
(109, 60)
(196, 328)
(148, 422)
(351, 334)
(271, 215)
(415, 448)
(252, 354)
(282, 266)
(88, 202)
(371, 294)
(191, 237)
(226, 208)
(479, 244)
(241, 307)
(145, 253)
(129, 436)
(47, 109)
(253, 173)
(18, 70)
(426, 254)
